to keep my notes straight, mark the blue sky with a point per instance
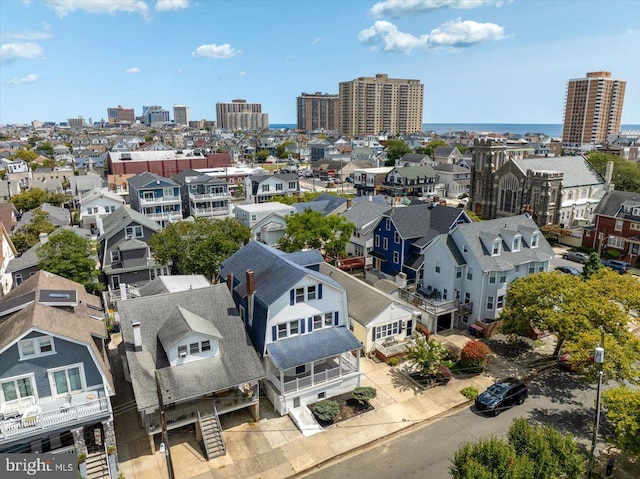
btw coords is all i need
(481, 61)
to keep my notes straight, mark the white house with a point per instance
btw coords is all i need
(266, 220)
(97, 203)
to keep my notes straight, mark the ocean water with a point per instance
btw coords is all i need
(553, 130)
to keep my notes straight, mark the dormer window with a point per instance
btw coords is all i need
(495, 250)
(35, 347)
(516, 244)
(534, 240)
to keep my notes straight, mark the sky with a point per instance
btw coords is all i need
(481, 61)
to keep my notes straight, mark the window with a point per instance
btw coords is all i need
(322, 395)
(301, 369)
(133, 232)
(115, 255)
(500, 302)
(299, 295)
(489, 302)
(492, 277)
(385, 243)
(279, 187)
(458, 272)
(377, 241)
(503, 276)
(311, 293)
(467, 298)
(532, 267)
(386, 330)
(205, 346)
(540, 267)
(282, 331)
(396, 257)
(17, 388)
(388, 224)
(464, 248)
(634, 226)
(444, 293)
(294, 328)
(615, 241)
(34, 347)
(469, 273)
(265, 188)
(18, 279)
(328, 320)
(292, 185)
(619, 224)
(317, 322)
(516, 244)
(396, 237)
(182, 351)
(496, 248)
(534, 240)
(253, 217)
(438, 264)
(67, 380)
(194, 348)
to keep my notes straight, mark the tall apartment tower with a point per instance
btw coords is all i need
(121, 115)
(593, 110)
(236, 106)
(380, 103)
(181, 115)
(318, 111)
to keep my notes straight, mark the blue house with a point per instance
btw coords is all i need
(155, 197)
(403, 232)
(297, 319)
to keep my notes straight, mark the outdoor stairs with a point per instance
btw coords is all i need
(97, 466)
(212, 434)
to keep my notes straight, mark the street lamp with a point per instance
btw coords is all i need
(598, 359)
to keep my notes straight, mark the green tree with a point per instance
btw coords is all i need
(592, 266)
(199, 247)
(575, 309)
(396, 149)
(35, 197)
(25, 155)
(626, 173)
(70, 256)
(262, 155)
(293, 199)
(553, 233)
(622, 405)
(529, 452)
(281, 149)
(425, 354)
(46, 148)
(29, 234)
(311, 230)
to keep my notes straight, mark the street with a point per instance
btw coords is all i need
(556, 398)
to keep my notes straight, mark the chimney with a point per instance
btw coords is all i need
(44, 238)
(251, 282)
(608, 176)
(137, 334)
(230, 282)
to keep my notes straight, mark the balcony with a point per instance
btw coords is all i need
(165, 216)
(390, 347)
(208, 212)
(209, 196)
(431, 302)
(320, 372)
(52, 413)
(160, 199)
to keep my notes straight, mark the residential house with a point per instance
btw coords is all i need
(403, 232)
(10, 188)
(365, 216)
(8, 216)
(453, 180)
(81, 185)
(125, 257)
(56, 215)
(267, 221)
(98, 202)
(54, 370)
(382, 323)
(297, 320)
(467, 270)
(447, 155)
(368, 181)
(414, 159)
(191, 346)
(410, 181)
(616, 225)
(155, 197)
(7, 254)
(203, 195)
(262, 188)
(325, 203)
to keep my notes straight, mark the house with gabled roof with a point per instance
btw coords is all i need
(98, 202)
(203, 196)
(54, 370)
(403, 232)
(7, 253)
(448, 155)
(365, 216)
(325, 203)
(191, 345)
(267, 221)
(414, 159)
(264, 187)
(297, 319)
(155, 197)
(453, 180)
(410, 181)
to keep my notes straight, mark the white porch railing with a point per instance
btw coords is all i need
(67, 415)
(210, 211)
(391, 348)
(348, 364)
(209, 196)
(164, 216)
(161, 199)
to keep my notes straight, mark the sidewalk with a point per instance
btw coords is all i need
(275, 448)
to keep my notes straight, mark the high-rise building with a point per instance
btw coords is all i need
(318, 111)
(181, 114)
(380, 103)
(592, 110)
(246, 120)
(76, 122)
(121, 115)
(236, 106)
(154, 115)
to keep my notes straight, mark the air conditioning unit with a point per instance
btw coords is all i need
(404, 324)
(183, 355)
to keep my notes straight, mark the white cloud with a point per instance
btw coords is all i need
(164, 5)
(132, 70)
(315, 41)
(15, 51)
(404, 8)
(27, 36)
(216, 51)
(64, 7)
(456, 33)
(242, 74)
(30, 78)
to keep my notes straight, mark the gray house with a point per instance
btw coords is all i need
(155, 197)
(203, 195)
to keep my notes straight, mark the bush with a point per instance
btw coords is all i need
(364, 394)
(475, 356)
(393, 362)
(453, 353)
(422, 329)
(326, 410)
(469, 392)
(443, 373)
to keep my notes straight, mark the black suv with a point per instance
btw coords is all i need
(501, 395)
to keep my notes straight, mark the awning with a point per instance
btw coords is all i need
(380, 256)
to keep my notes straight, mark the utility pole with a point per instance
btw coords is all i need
(599, 359)
(165, 435)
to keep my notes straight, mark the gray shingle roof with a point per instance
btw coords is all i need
(415, 157)
(122, 217)
(147, 179)
(415, 172)
(364, 213)
(443, 151)
(236, 364)
(577, 170)
(183, 322)
(291, 352)
(417, 221)
(173, 284)
(613, 200)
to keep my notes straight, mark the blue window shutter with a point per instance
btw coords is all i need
(310, 323)
(320, 291)
(302, 326)
(292, 297)
(336, 318)
(274, 333)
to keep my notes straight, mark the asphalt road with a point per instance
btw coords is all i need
(555, 397)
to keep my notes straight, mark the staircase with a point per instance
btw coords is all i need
(97, 465)
(211, 434)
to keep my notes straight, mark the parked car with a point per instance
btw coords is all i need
(576, 256)
(501, 395)
(620, 266)
(568, 270)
